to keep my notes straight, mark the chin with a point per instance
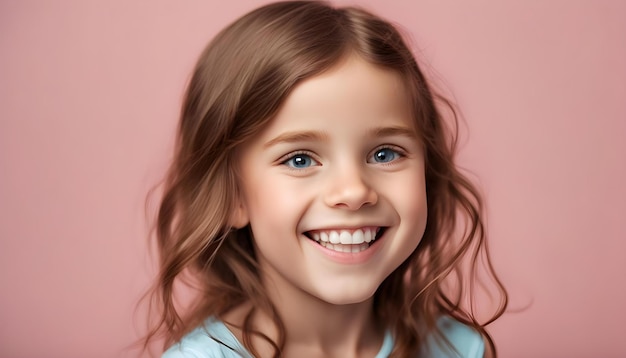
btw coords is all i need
(346, 297)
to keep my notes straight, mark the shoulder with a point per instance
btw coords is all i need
(465, 342)
(210, 340)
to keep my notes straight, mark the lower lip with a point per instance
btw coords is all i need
(349, 257)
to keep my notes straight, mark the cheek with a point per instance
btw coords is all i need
(419, 210)
(270, 195)
(410, 201)
(420, 206)
(275, 205)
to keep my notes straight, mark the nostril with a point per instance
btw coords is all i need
(352, 198)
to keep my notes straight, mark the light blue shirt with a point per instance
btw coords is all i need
(215, 340)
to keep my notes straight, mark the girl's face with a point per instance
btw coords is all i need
(334, 186)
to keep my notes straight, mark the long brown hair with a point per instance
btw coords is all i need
(238, 85)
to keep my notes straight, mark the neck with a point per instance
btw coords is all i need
(334, 330)
(314, 327)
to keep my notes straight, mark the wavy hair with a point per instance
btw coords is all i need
(238, 84)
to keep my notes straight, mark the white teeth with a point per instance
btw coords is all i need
(358, 237)
(367, 236)
(345, 237)
(345, 248)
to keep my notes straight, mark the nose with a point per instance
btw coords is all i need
(348, 188)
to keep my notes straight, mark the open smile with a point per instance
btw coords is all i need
(347, 240)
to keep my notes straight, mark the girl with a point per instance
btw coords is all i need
(313, 204)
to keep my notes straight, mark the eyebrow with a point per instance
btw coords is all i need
(393, 131)
(294, 137)
(318, 136)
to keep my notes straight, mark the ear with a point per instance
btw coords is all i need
(239, 217)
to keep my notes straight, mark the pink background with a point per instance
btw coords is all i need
(89, 97)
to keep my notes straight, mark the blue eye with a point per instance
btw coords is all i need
(385, 155)
(299, 161)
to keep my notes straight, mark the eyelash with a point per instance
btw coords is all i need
(399, 153)
(396, 150)
(301, 153)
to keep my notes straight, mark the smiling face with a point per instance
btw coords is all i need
(334, 186)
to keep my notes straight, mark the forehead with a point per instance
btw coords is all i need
(353, 81)
(353, 92)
